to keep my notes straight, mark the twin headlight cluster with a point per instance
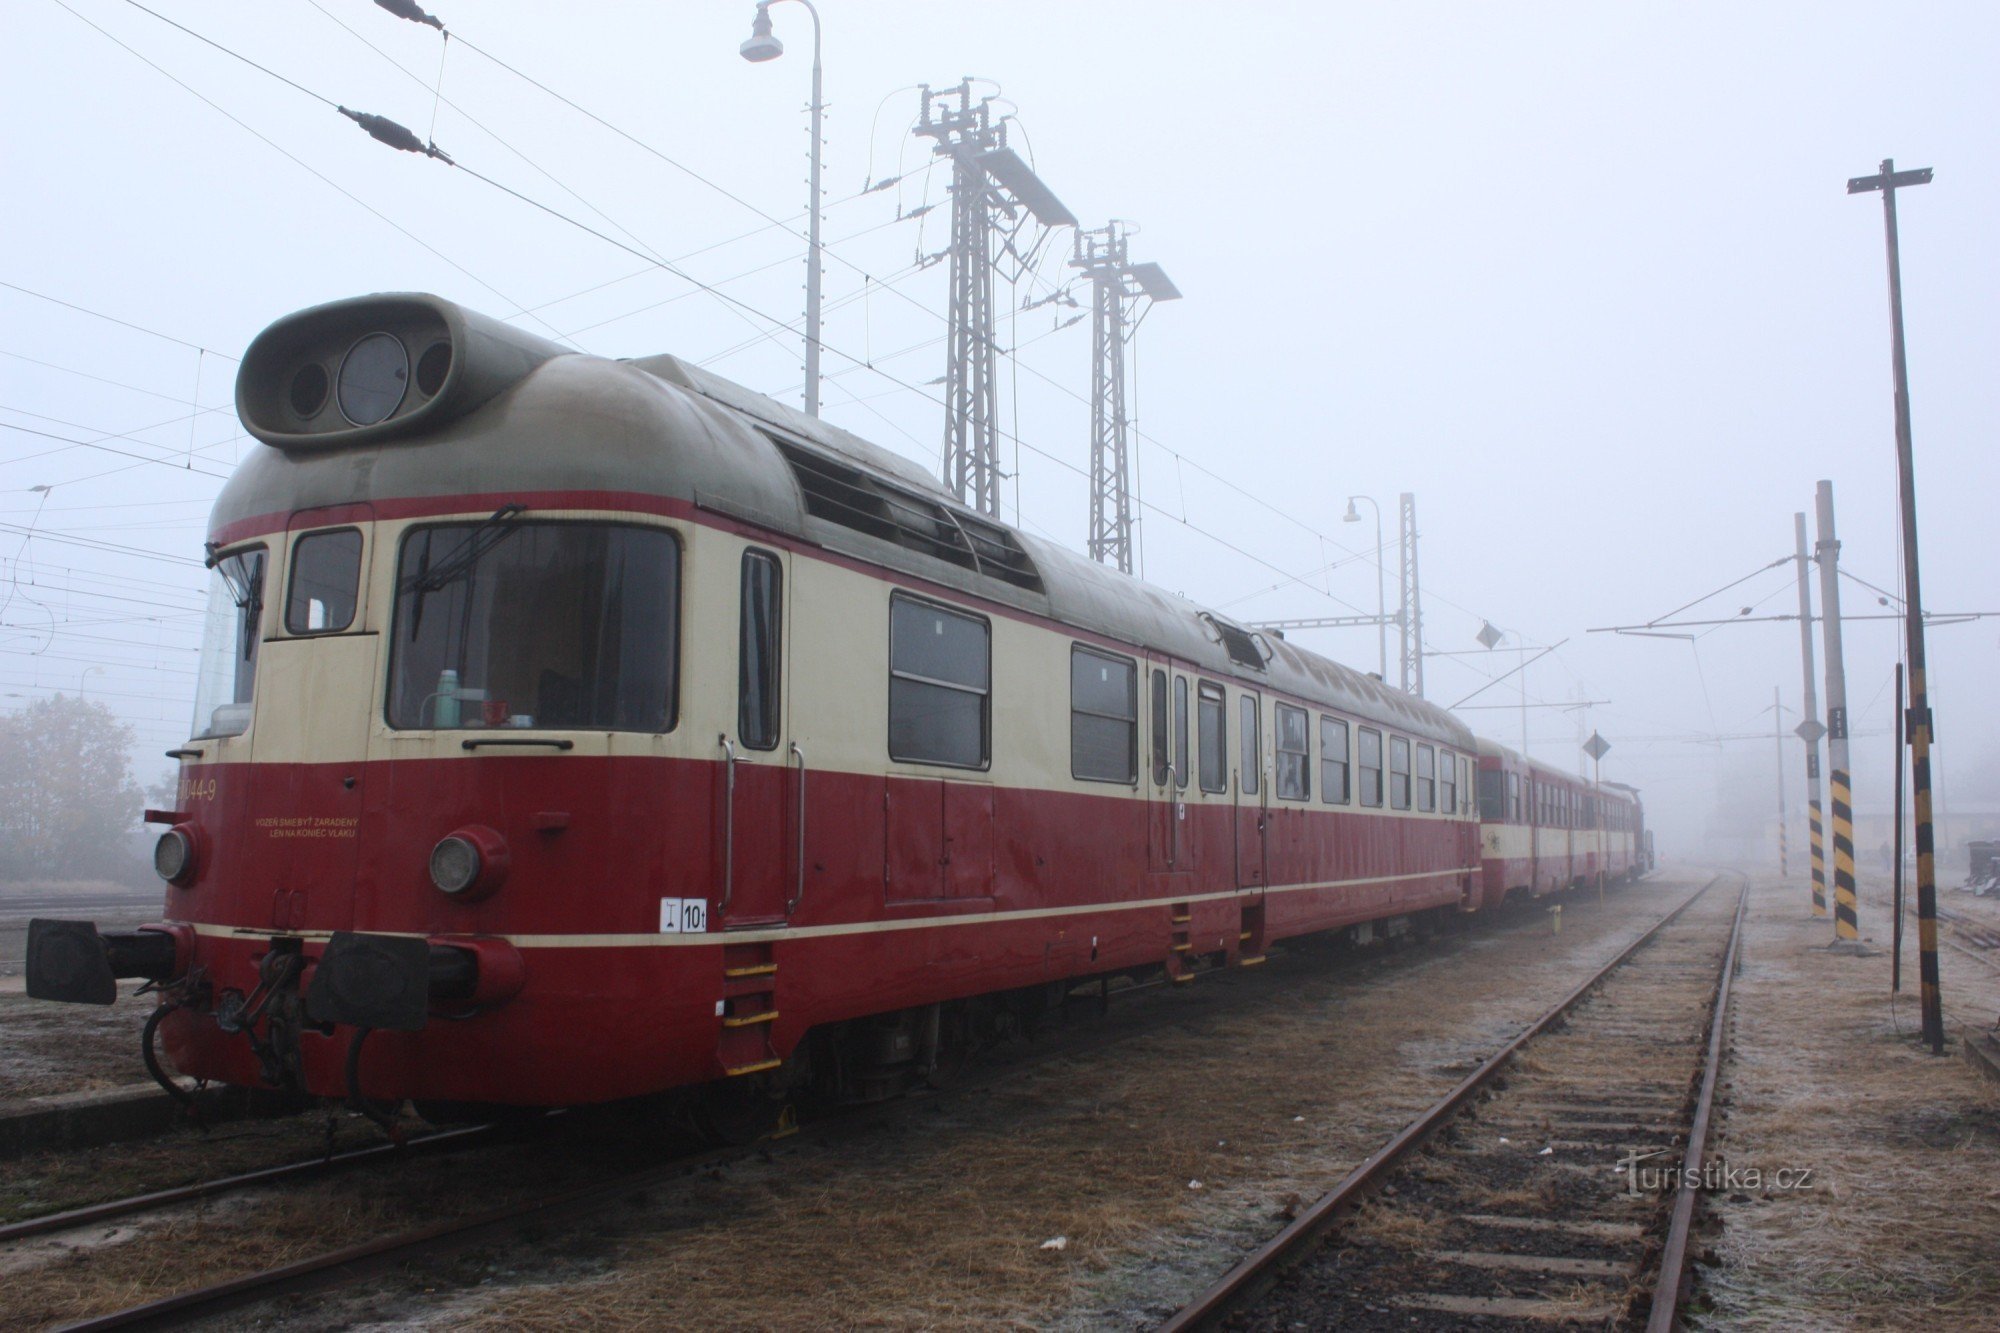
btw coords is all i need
(468, 864)
(372, 379)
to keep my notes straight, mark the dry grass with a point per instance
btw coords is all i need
(1900, 1227)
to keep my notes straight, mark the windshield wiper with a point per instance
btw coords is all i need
(430, 578)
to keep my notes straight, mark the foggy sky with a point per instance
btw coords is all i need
(1583, 278)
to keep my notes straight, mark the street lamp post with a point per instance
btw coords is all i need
(762, 45)
(1353, 515)
(83, 679)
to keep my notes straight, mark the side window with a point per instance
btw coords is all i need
(326, 582)
(1159, 726)
(1448, 782)
(1103, 716)
(758, 649)
(1368, 742)
(1294, 754)
(1399, 772)
(939, 685)
(1214, 739)
(1333, 761)
(1514, 797)
(1492, 798)
(232, 629)
(1181, 732)
(1427, 783)
(1252, 742)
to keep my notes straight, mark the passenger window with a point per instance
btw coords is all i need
(326, 582)
(1368, 742)
(1252, 742)
(1103, 716)
(1214, 740)
(1447, 782)
(1492, 797)
(1427, 792)
(1181, 732)
(1514, 797)
(1333, 761)
(939, 685)
(1160, 762)
(1399, 772)
(1294, 754)
(515, 623)
(758, 652)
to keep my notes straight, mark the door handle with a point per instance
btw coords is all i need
(799, 886)
(728, 819)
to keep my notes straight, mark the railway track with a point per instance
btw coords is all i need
(1519, 1197)
(604, 1192)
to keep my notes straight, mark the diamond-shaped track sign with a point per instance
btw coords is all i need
(1596, 746)
(1809, 731)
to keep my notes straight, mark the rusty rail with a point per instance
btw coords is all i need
(1251, 1277)
(1667, 1291)
(270, 1175)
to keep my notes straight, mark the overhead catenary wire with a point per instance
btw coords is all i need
(397, 136)
(292, 157)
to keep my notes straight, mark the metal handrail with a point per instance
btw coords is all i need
(728, 820)
(799, 886)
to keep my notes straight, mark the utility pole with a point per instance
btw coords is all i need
(1114, 284)
(987, 178)
(1411, 618)
(1888, 181)
(1810, 729)
(1784, 812)
(1846, 933)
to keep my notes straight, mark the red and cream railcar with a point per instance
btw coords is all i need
(1542, 830)
(584, 728)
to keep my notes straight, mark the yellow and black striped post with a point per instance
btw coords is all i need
(1846, 929)
(1818, 845)
(1845, 925)
(1809, 729)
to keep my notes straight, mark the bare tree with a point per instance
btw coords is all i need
(68, 803)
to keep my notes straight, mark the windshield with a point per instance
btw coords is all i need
(510, 623)
(229, 638)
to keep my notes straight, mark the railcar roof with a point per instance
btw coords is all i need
(520, 415)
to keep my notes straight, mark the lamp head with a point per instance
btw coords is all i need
(762, 44)
(1352, 515)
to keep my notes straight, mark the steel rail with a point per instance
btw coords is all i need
(1673, 1258)
(1252, 1276)
(145, 1203)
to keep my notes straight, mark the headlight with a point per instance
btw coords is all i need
(454, 864)
(173, 856)
(469, 863)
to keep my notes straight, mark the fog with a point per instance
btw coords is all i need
(1583, 278)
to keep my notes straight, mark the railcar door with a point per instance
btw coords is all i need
(311, 735)
(1169, 700)
(1253, 815)
(764, 773)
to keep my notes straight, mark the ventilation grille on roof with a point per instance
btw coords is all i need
(1238, 642)
(859, 500)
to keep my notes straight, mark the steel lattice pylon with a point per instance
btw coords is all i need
(1101, 255)
(1115, 284)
